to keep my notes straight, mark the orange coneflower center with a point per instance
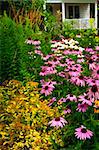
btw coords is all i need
(57, 119)
(83, 130)
(94, 88)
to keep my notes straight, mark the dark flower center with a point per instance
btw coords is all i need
(83, 130)
(50, 65)
(46, 87)
(43, 70)
(82, 105)
(90, 61)
(94, 88)
(55, 59)
(57, 119)
(93, 81)
(74, 70)
(29, 38)
(71, 95)
(70, 59)
(81, 77)
(86, 97)
(76, 66)
(98, 72)
(70, 69)
(77, 50)
(68, 100)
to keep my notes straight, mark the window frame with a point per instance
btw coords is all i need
(74, 13)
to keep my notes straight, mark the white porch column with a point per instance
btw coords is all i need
(63, 11)
(44, 6)
(96, 13)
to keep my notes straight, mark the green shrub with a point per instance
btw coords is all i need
(13, 50)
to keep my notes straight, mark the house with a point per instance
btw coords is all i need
(81, 13)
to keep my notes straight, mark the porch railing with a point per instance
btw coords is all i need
(81, 23)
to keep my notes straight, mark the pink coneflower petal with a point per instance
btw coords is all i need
(84, 99)
(47, 87)
(58, 122)
(52, 101)
(71, 97)
(67, 111)
(82, 107)
(97, 48)
(82, 133)
(78, 80)
(95, 72)
(93, 92)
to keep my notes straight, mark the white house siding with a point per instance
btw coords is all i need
(84, 10)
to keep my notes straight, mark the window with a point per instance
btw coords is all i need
(92, 10)
(73, 12)
(70, 12)
(76, 11)
(4, 6)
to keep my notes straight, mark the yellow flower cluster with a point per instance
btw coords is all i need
(25, 117)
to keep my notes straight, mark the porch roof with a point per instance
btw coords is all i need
(71, 1)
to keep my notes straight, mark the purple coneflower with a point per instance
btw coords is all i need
(90, 50)
(67, 110)
(38, 52)
(92, 64)
(71, 97)
(97, 48)
(29, 41)
(93, 92)
(36, 42)
(80, 60)
(74, 73)
(95, 57)
(44, 71)
(90, 81)
(52, 101)
(82, 133)
(46, 57)
(47, 88)
(95, 73)
(58, 122)
(62, 100)
(78, 80)
(84, 99)
(69, 61)
(63, 74)
(82, 107)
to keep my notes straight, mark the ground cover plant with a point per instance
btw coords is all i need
(24, 118)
